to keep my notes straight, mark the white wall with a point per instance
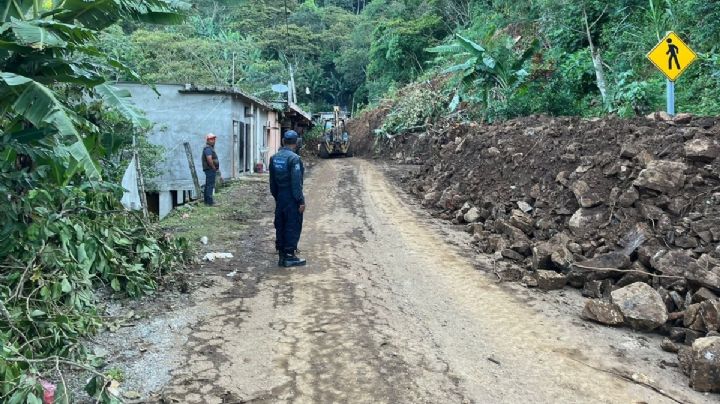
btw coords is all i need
(180, 118)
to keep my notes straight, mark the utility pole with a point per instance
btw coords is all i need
(292, 85)
(287, 29)
(232, 84)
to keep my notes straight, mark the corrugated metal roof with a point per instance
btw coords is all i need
(299, 110)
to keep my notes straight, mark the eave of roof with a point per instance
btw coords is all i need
(193, 89)
(297, 109)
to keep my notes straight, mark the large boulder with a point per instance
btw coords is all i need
(628, 197)
(597, 289)
(472, 215)
(550, 280)
(600, 267)
(512, 255)
(692, 318)
(710, 313)
(431, 198)
(709, 226)
(641, 305)
(701, 149)
(542, 252)
(704, 272)
(703, 294)
(672, 263)
(522, 221)
(585, 220)
(586, 196)
(705, 365)
(663, 176)
(562, 258)
(515, 234)
(683, 118)
(603, 312)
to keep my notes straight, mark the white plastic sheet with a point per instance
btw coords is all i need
(131, 196)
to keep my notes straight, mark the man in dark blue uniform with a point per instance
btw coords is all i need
(286, 186)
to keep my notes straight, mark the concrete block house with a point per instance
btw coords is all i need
(248, 132)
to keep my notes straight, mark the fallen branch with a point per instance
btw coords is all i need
(57, 360)
(62, 378)
(628, 271)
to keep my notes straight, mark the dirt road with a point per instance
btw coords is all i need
(388, 311)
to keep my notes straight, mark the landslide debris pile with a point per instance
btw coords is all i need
(626, 210)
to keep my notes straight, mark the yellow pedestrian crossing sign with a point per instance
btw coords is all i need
(672, 56)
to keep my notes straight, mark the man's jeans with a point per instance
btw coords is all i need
(209, 186)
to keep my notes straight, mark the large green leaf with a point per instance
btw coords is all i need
(58, 70)
(448, 48)
(70, 32)
(80, 153)
(32, 134)
(12, 79)
(119, 99)
(14, 9)
(468, 64)
(38, 104)
(99, 14)
(29, 34)
(470, 45)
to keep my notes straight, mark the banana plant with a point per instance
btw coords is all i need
(493, 72)
(47, 52)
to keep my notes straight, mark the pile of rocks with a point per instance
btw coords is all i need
(626, 210)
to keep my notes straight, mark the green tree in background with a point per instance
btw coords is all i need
(590, 58)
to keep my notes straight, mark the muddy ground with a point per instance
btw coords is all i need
(390, 309)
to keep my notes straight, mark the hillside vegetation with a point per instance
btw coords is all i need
(567, 57)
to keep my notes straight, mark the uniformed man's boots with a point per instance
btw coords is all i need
(281, 259)
(292, 260)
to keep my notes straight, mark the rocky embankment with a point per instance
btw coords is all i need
(626, 210)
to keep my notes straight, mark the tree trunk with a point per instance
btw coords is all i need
(597, 61)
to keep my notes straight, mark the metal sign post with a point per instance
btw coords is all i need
(670, 98)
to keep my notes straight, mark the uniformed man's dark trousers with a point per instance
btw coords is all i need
(288, 224)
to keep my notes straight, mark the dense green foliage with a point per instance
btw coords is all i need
(353, 53)
(64, 234)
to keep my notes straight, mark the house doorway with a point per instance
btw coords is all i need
(248, 149)
(243, 144)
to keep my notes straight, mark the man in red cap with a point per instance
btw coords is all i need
(211, 166)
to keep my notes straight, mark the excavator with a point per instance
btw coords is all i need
(336, 139)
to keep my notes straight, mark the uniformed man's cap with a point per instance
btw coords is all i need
(290, 135)
(210, 136)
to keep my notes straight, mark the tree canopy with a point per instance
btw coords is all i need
(588, 55)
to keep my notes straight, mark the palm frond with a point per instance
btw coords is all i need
(468, 64)
(470, 45)
(14, 9)
(119, 99)
(101, 14)
(38, 105)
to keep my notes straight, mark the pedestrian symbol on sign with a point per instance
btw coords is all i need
(672, 56)
(673, 52)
